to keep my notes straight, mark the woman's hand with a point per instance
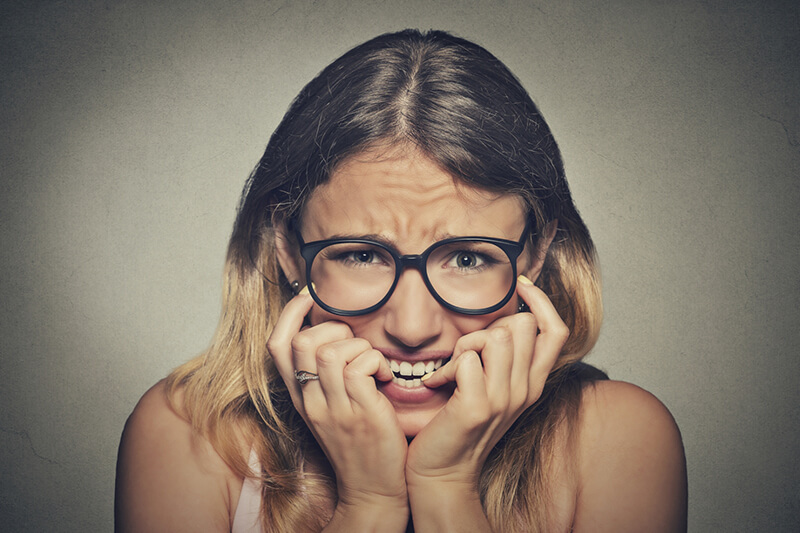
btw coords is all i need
(499, 372)
(355, 425)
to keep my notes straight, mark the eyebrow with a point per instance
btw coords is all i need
(391, 243)
(386, 241)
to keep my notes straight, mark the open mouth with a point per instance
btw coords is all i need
(409, 375)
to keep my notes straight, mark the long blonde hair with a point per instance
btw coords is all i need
(463, 108)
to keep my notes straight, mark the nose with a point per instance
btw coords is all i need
(413, 317)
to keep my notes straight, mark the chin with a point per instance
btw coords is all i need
(412, 422)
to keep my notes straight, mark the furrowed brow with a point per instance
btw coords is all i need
(365, 237)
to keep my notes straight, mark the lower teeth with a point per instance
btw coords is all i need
(407, 383)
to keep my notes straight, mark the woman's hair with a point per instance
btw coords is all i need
(460, 106)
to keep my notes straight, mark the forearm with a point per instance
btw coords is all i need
(447, 507)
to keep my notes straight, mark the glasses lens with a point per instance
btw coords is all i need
(470, 274)
(352, 276)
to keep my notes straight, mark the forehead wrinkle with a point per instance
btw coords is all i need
(407, 199)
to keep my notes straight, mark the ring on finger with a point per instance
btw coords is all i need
(304, 376)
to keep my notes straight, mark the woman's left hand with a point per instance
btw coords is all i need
(499, 372)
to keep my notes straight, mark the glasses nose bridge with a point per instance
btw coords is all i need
(419, 263)
(416, 261)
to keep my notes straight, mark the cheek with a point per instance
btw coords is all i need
(467, 323)
(357, 323)
(363, 325)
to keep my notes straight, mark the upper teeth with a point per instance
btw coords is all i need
(408, 370)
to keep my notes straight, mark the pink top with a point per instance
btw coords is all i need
(245, 520)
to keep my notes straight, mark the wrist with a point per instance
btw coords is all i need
(459, 480)
(444, 491)
(446, 505)
(370, 514)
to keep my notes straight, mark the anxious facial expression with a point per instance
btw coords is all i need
(406, 199)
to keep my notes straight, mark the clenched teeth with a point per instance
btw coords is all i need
(409, 375)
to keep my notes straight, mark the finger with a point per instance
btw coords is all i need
(524, 328)
(552, 333)
(306, 343)
(331, 361)
(474, 341)
(471, 342)
(306, 346)
(498, 359)
(471, 382)
(279, 344)
(449, 372)
(499, 350)
(360, 375)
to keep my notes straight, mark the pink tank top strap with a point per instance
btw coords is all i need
(246, 518)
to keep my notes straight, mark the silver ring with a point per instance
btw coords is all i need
(304, 376)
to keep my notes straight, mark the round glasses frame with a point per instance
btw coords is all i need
(512, 249)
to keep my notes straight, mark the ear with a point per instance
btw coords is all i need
(541, 250)
(288, 255)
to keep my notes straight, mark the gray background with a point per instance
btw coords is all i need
(128, 129)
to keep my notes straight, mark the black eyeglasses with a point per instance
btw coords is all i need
(468, 275)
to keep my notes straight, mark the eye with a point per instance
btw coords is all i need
(363, 256)
(468, 260)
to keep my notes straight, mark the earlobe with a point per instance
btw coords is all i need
(542, 245)
(288, 258)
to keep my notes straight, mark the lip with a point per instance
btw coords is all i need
(399, 395)
(413, 357)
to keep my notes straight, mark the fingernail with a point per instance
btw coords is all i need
(426, 376)
(525, 281)
(304, 290)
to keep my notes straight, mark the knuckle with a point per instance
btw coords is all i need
(562, 332)
(351, 375)
(272, 345)
(326, 356)
(525, 319)
(463, 343)
(500, 333)
(302, 342)
(363, 345)
(342, 330)
(373, 357)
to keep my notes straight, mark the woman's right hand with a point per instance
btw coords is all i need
(354, 424)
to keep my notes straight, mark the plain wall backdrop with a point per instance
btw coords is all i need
(129, 128)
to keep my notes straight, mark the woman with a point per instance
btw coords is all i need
(384, 359)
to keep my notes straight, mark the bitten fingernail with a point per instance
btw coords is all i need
(525, 281)
(426, 376)
(304, 290)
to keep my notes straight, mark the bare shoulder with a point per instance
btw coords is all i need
(168, 477)
(631, 464)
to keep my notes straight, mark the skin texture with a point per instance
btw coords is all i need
(630, 474)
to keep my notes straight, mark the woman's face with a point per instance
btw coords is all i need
(405, 198)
